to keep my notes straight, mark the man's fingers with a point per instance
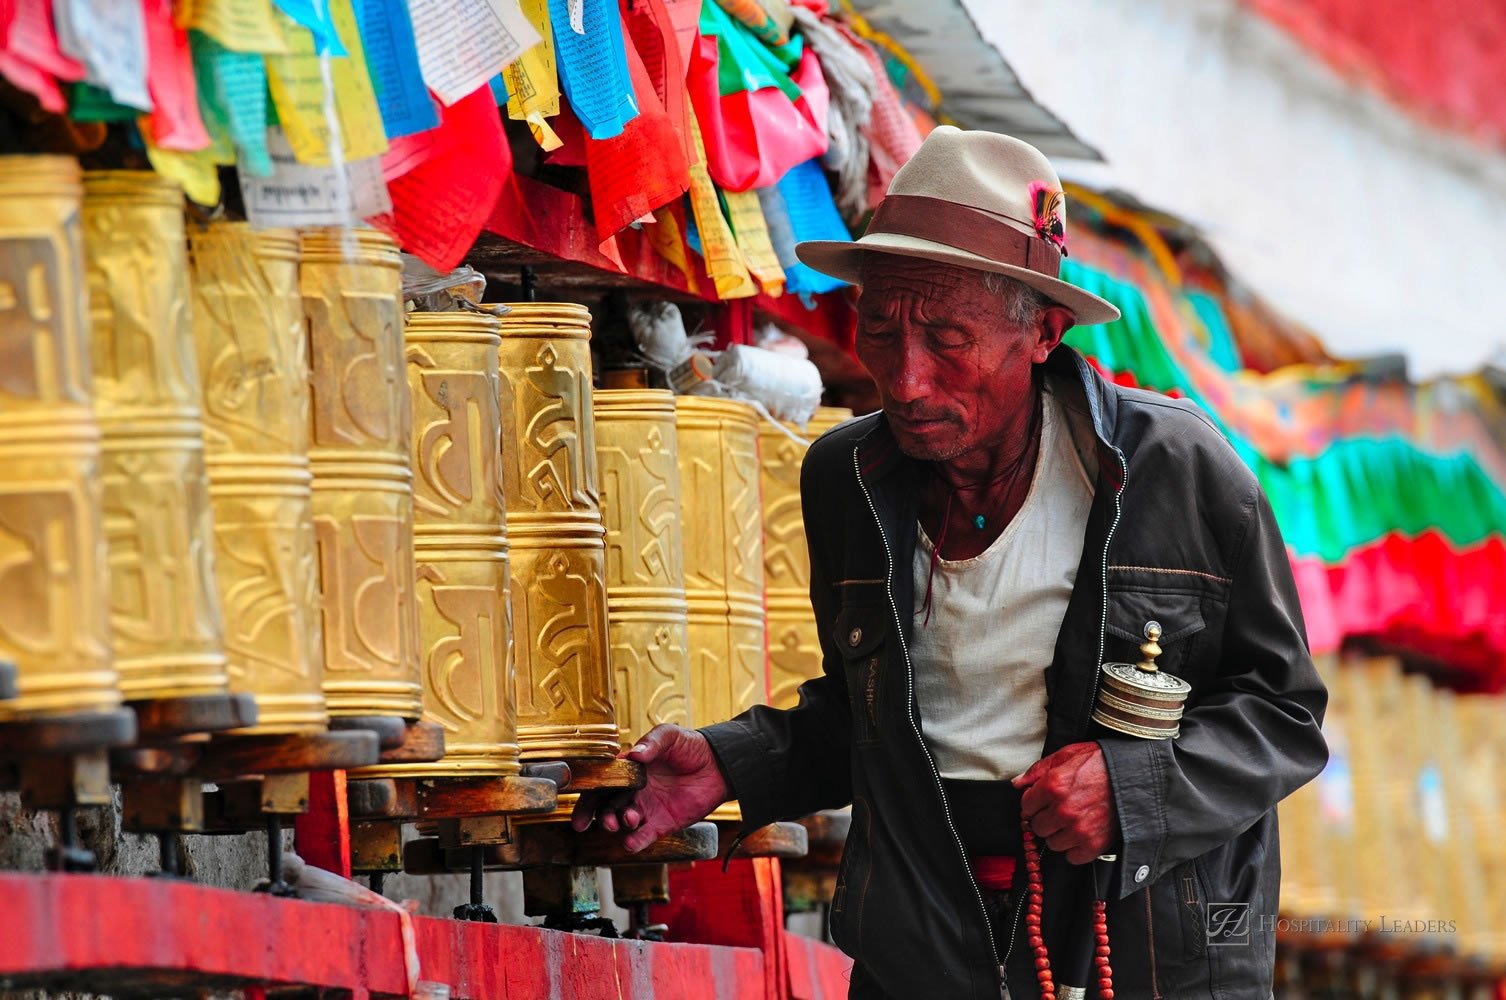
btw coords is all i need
(652, 829)
(1032, 773)
(585, 812)
(632, 818)
(653, 744)
(1046, 824)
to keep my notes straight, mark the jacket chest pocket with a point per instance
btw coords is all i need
(860, 634)
(1179, 615)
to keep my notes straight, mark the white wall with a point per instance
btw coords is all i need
(1378, 232)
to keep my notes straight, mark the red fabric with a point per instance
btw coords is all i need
(753, 137)
(1441, 58)
(643, 167)
(439, 206)
(1418, 593)
(994, 873)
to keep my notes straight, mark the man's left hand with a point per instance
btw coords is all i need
(1068, 802)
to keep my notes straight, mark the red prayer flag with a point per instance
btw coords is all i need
(439, 205)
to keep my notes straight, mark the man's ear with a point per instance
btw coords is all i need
(1055, 322)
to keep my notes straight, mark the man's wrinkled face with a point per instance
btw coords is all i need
(951, 369)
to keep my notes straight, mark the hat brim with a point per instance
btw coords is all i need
(844, 259)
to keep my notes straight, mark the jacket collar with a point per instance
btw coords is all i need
(879, 455)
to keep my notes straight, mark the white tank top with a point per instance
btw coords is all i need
(980, 664)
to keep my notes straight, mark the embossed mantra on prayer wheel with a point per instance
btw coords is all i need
(164, 606)
(646, 611)
(794, 640)
(254, 362)
(53, 620)
(465, 629)
(559, 599)
(723, 525)
(363, 481)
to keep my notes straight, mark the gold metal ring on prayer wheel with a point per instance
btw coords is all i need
(794, 640)
(53, 619)
(646, 611)
(723, 525)
(363, 482)
(254, 365)
(465, 635)
(559, 596)
(164, 606)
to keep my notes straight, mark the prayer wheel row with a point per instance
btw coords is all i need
(1404, 821)
(250, 472)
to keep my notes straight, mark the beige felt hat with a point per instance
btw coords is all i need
(971, 199)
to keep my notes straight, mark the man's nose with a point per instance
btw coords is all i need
(912, 376)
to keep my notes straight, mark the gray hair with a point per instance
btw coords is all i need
(1023, 304)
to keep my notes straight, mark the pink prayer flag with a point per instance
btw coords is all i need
(174, 121)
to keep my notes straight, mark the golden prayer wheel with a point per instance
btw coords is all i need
(53, 621)
(794, 640)
(723, 523)
(465, 628)
(363, 480)
(254, 362)
(559, 595)
(164, 606)
(646, 611)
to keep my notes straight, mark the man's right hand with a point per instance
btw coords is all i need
(684, 784)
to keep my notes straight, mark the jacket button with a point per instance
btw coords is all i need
(1142, 873)
(854, 637)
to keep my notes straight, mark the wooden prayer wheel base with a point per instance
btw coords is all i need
(442, 798)
(66, 734)
(376, 847)
(60, 781)
(240, 806)
(162, 804)
(557, 845)
(423, 743)
(827, 833)
(382, 798)
(777, 840)
(589, 774)
(807, 891)
(391, 730)
(168, 718)
(287, 753)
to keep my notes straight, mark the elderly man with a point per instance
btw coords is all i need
(1007, 524)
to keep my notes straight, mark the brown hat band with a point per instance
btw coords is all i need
(964, 228)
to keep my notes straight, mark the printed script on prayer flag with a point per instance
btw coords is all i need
(593, 67)
(296, 194)
(233, 99)
(392, 61)
(109, 38)
(464, 43)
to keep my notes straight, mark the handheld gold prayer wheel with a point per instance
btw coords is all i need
(723, 525)
(363, 482)
(465, 628)
(164, 607)
(559, 598)
(53, 620)
(646, 610)
(794, 639)
(254, 363)
(1139, 699)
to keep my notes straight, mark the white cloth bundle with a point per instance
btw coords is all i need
(785, 389)
(320, 886)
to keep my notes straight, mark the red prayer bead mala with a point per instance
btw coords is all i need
(1034, 895)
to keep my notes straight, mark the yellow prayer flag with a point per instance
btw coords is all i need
(752, 232)
(718, 246)
(297, 85)
(239, 25)
(198, 171)
(668, 242)
(533, 90)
